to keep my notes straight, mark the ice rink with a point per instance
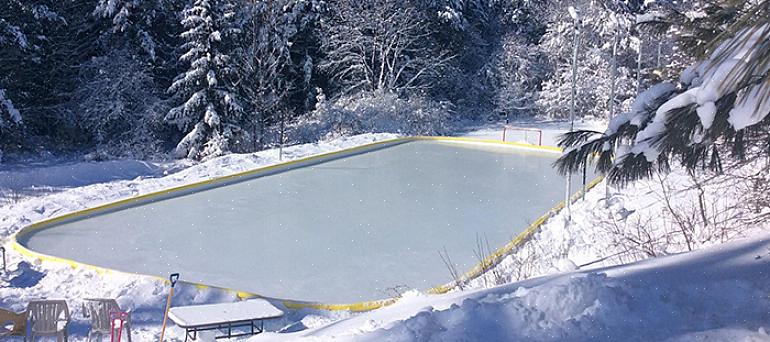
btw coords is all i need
(339, 231)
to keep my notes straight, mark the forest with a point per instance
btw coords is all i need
(202, 78)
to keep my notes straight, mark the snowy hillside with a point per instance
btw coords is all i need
(717, 294)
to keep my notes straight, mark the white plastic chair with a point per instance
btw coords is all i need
(48, 318)
(98, 310)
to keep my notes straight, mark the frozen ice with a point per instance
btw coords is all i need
(308, 234)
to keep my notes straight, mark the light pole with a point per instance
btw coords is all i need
(613, 87)
(576, 41)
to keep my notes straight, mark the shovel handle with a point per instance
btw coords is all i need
(173, 278)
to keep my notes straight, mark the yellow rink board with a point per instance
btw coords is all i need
(476, 271)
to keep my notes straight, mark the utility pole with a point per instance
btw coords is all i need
(576, 41)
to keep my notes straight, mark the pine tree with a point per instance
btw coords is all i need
(29, 53)
(148, 26)
(718, 110)
(211, 112)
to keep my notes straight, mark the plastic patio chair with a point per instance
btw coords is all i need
(48, 318)
(99, 310)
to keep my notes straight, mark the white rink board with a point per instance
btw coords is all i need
(339, 231)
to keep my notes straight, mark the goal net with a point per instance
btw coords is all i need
(532, 136)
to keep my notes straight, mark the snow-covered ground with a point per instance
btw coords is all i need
(719, 293)
(716, 294)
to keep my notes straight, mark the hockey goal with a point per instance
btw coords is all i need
(527, 135)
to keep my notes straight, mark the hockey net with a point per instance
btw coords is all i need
(532, 136)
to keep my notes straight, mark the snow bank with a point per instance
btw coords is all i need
(719, 293)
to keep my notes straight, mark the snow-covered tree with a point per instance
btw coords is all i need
(266, 67)
(25, 79)
(117, 104)
(146, 25)
(718, 111)
(379, 45)
(211, 112)
(521, 68)
(599, 24)
(9, 114)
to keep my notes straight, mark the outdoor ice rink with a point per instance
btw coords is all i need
(339, 231)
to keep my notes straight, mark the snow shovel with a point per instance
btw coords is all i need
(172, 278)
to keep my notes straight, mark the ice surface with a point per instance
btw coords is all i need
(340, 231)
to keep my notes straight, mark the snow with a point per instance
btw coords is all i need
(675, 298)
(718, 76)
(751, 106)
(709, 82)
(644, 144)
(75, 174)
(706, 112)
(197, 315)
(573, 13)
(649, 17)
(679, 101)
(19, 38)
(211, 77)
(642, 104)
(211, 117)
(9, 107)
(689, 74)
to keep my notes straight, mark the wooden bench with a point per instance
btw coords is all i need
(225, 317)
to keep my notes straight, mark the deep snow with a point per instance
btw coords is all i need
(717, 294)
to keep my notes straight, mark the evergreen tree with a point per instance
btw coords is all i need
(41, 42)
(719, 106)
(148, 28)
(21, 28)
(210, 113)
